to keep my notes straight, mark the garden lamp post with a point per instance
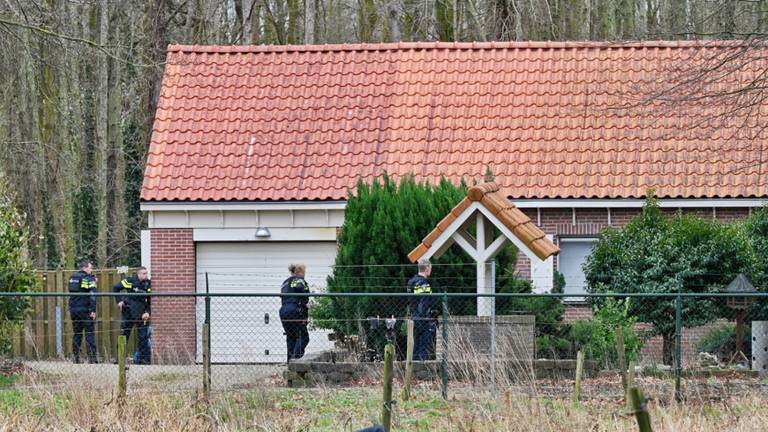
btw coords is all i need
(739, 285)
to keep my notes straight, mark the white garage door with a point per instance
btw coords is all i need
(248, 329)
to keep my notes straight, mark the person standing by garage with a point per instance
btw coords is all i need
(82, 310)
(423, 310)
(294, 311)
(135, 311)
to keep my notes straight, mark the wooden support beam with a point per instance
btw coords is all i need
(480, 232)
(495, 247)
(461, 239)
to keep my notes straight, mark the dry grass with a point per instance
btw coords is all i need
(41, 409)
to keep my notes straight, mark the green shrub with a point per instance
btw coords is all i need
(15, 272)
(721, 341)
(383, 222)
(597, 336)
(654, 253)
(551, 332)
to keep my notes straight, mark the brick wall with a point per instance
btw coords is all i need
(689, 340)
(173, 318)
(589, 223)
(575, 312)
(652, 351)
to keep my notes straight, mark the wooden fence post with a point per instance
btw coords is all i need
(579, 372)
(408, 362)
(386, 410)
(206, 362)
(121, 383)
(641, 413)
(620, 350)
(630, 383)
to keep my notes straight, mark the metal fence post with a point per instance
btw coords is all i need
(207, 343)
(59, 333)
(444, 366)
(678, 330)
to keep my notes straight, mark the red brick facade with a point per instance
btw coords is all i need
(173, 318)
(589, 222)
(173, 270)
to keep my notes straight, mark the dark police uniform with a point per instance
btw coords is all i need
(293, 315)
(133, 308)
(424, 313)
(80, 309)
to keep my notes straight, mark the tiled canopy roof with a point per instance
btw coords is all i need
(305, 122)
(489, 195)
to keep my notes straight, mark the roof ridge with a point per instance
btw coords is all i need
(235, 49)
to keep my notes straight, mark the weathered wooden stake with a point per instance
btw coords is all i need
(408, 362)
(630, 384)
(386, 410)
(622, 359)
(121, 384)
(579, 372)
(206, 362)
(639, 408)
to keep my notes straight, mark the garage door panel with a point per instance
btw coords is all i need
(239, 333)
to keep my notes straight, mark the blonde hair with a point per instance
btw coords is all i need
(296, 268)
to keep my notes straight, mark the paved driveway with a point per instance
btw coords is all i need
(155, 377)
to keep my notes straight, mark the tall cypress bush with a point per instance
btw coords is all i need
(383, 222)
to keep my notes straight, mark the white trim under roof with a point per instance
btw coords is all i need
(520, 203)
(637, 203)
(208, 206)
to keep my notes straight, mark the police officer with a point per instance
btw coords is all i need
(294, 312)
(82, 310)
(423, 313)
(135, 311)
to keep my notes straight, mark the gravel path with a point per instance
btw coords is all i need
(159, 377)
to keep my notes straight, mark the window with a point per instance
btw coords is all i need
(573, 253)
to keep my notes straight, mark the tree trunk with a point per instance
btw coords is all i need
(256, 23)
(309, 22)
(118, 220)
(728, 22)
(292, 33)
(246, 6)
(393, 9)
(53, 138)
(444, 19)
(29, 160)
(191, 20)
(102, 140)
(367, 19)
(668, 349)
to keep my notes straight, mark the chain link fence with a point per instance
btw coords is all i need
(677, 346)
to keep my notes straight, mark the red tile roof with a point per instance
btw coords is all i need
(305, 122)
(490, 196)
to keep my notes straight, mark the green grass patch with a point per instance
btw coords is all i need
(11, 400)
(166, 377)
(8, 381)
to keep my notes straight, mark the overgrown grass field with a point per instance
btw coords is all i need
(72, 409)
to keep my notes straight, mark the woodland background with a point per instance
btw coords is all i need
(79, 81)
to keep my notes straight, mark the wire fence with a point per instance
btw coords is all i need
(679, 346)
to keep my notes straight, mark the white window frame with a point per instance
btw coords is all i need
(574, 239)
